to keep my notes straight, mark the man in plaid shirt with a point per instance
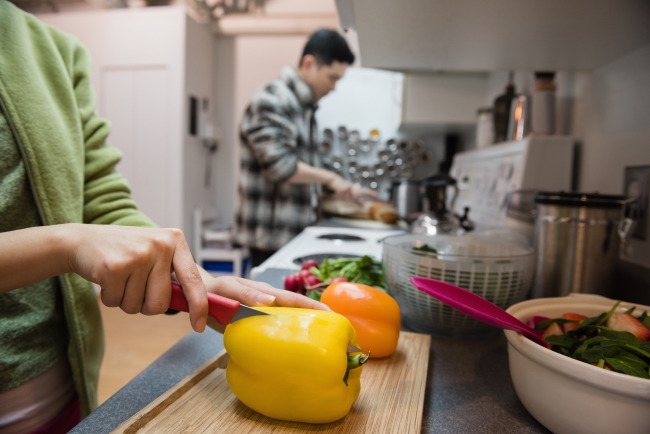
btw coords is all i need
(281, 180)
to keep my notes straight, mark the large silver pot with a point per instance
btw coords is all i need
(405, 196)
(578, 239)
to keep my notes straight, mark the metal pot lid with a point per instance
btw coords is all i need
(590, 200)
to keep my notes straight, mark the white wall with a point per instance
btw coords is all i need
(364, 99)
(616, 104)
(226, 167)
(199, 82)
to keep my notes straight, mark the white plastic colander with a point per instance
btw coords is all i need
(498, 271)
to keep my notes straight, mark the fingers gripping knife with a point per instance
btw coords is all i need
(223, 309)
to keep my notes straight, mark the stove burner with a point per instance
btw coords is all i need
(342, 237)
(322, 256)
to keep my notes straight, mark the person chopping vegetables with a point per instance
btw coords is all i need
(67, 219)
(281, 176)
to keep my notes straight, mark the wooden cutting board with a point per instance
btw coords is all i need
(391, 400)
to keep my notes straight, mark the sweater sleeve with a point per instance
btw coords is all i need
(107, 196)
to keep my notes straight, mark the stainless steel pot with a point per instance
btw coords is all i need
(578, 237)
(405, 196)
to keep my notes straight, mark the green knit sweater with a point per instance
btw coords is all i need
(32, 324)
(48, 102)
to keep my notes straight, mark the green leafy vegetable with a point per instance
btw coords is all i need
(564, 341)
(645, 319)
(365, 270)
(591, 324)
(628, 367)
(426, 249)
(594, 343)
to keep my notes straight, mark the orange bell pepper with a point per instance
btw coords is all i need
(374, 314)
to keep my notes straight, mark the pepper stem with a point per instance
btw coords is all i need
(354, 362)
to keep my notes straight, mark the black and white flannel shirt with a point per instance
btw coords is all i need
(277, 131)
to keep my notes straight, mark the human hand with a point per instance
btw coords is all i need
(342, 188)
(364, 193)
(253, 294)
(133, 267)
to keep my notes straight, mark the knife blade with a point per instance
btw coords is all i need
(224, 310)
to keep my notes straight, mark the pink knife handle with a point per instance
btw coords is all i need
(220, 308)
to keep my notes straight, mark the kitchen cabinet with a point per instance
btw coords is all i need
(476, 35)
(147, 63)
(443, 98)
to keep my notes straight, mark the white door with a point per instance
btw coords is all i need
(136, 101)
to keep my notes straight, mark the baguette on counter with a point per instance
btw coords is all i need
(363, 209)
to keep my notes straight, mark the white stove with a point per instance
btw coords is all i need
(486, 176)
(319, 240)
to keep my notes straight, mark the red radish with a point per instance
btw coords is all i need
(574, 317)
(534, 320)
(303, 275)
(338, 279)
(624, 322)
(292, 283)
(308, 264)
(312, 281)
(552, 330)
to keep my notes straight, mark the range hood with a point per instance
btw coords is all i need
(479, 35)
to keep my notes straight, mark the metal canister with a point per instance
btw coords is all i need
(405, 195)
(578, 238)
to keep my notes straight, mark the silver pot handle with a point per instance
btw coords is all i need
(452, 204)
(625, 224)
(624, 227)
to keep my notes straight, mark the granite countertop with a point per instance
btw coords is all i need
(468, 384)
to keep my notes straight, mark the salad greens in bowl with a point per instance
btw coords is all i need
(616, 341)
(594, 378)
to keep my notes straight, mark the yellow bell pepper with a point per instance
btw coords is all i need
(293, 365)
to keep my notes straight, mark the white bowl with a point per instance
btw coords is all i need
(568, 396)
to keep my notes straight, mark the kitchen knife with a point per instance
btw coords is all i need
(224, 310)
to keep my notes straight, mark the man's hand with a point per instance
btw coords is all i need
(133, 267)
(345, 190)
(360, 193)
(342, 189)
(253, 294)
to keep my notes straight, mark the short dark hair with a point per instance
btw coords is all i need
(328, 46)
